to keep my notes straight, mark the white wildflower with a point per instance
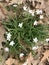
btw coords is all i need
(21, 55)
(11, 43)
(8, 36)
(6, 49)
(39, 11)
(20, 25)
(35, 40)
(25, 8)
(47, 39)
(33, 14)
(41, 16)
(35, 22)
(14, 5)
(35, 48)
(30, 11)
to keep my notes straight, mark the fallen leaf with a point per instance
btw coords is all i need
(10, 61)
(30, 59)
(15, 1)
(46, 55)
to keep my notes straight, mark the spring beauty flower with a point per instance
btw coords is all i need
(6, 49)
(39, 11)
(11, 43)
(20, 25)
(35, 23)
(21, 55)
(35, 48)
(47, 39)
(31, 12)
(41, 16)
(35, 40)
(25, 8)
(14, 5)
(9, 36)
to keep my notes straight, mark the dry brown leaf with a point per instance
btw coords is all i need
(1, 15)
(46, 55)
(10, 61)
(42, 5)
(15, 1)
(7, 1)
(4, 11)
(30, 59)
(47, 7)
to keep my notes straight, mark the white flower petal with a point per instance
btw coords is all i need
(6, 49)
(8, 36)
(39, 11)
(33, 14)
(25, 8)
(35, 23)
(30, 11)
(20, 25)
(14, 5)
(47, 40)
(21, 55)
(35, 40)
(35, 48)
(41, 16)
(11, 43)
